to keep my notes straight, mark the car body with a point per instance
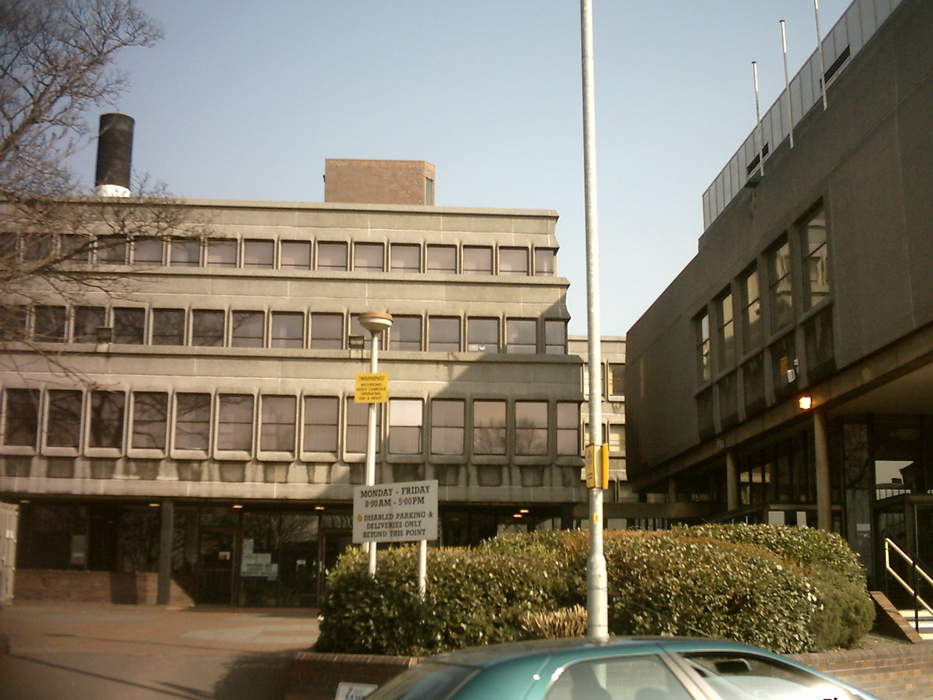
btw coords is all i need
(624, 668)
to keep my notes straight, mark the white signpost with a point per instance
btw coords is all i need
(402, 512)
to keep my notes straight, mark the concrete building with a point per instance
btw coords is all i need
(208, 423)
(785, 375)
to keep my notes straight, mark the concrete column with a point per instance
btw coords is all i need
(824, 496)
(166, 538)
(732, 482)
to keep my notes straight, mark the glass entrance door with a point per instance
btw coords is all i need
(217, 555)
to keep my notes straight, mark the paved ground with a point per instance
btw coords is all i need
(78, 650)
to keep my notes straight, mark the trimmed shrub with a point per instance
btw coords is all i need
(555, 624)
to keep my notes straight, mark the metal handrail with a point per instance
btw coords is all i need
(918, 601)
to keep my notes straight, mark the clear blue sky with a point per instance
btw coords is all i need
(245, 100)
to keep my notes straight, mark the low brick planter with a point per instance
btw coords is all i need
(80, 586)
(315, 676)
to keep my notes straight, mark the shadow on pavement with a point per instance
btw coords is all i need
(256, 677)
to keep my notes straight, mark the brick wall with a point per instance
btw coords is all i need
(314, 676)
(93, 587)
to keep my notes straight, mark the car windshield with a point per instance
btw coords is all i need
(429, 680)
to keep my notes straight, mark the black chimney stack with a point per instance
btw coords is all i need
(114, 156)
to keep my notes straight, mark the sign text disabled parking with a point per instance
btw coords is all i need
(404, 512)
(371, 387)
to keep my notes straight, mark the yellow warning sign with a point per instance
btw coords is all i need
(372, 387)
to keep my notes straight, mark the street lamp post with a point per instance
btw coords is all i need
(375, 322)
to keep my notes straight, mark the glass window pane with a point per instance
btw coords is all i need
(447, 417)
(405, 333)
(357, 426)
(248, 329)
(111, 250)
(816, 259)
(405, 421)
(147, 251)
(642, 676)
(331, 256)
(368, 256)
(442, 258)
(444, 334)
(616, 379)
(327, 331)
(221, 252)
(129, 326)
(277, 431)
(321, 424)
(477, 260)
(207, 327)
(186, 252)
(76, 248)
(483, 335)
(545, 261)
(726, 333)
(64, 419)
(288, 330)
(150, 410)
(296, 255)
(258, 253)
(568, 428)
(531, 427)
(87, 320)
(513, 261)
(489, 427)
(235, 423)
(520, 335)
(37, 246)
(192, 421)
(555, 337)
(50, 324)
(13, 322)
(107, 419)
(168, 326)
(406, 257)
(21, 417)
(782, 308)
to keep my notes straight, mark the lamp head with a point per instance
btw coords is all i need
(375, 321)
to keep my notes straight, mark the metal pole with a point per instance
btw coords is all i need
(761, 147)
(422, 568)
(819, 48)
(371, 442)
(790, 102)
(597, 617)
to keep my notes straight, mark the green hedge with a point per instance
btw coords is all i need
(786, 589)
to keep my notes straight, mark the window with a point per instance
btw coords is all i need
(405, 257)
(728, 400)
(555, 337)
(702, 333)
(357, 329)
(129, 326)
(782, 308)
(545, 261)
(111, 250)
(568, 428)
(327, 331)
(76, 248)
(107, 419)
(357, 426)
(87, 320)
(147, 251)
(815, 259)
(63, 421)
(444, 334)
(295, 255)
(783, 360)
(531, 427)
(331, 256)
(513, 261)
(321, 424)
(753, 384)
(186, 252)
(8, 245)
(616, 439)
(13, 322)
(442, 258)
(248, 329)
(477, 260)
(207, 327)
(21, 417)
(288, 330)
(751, 319)
(447, 426)
(368, 256)
(616, 382)
(642, 676)
(405, 421)
(705, 425)
(150, 411)
(192, 421)
(726, 337)
(168, 326)
(277, 430)
(489, 427)
(258, 253)
(483, 335)
(37, 246)
(235, 423)
(818, 339)
(50, 324)
(405, 333)
(221, 252)
(520, 335)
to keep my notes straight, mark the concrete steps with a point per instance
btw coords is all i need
(925, 618)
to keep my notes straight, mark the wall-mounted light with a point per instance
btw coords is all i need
(154, 505)
(318, 507)
(522, 510)
(805, 402)
(237, 506)
(517, 515)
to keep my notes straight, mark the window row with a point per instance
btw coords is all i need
(766, 287)
(277, 329)
(153, 423)
(283, 254)
(613, 380)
